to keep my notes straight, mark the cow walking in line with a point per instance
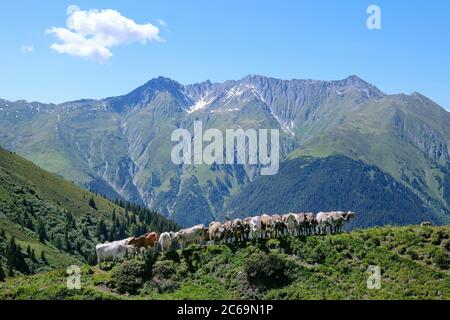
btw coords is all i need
(237, 230)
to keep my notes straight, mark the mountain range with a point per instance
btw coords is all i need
(345, 145)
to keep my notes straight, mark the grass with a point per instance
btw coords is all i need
(55, 258)
(317, 267)
(50, 186)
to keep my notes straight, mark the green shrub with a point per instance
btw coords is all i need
(164, 276)
(266, 270)
(129, 276)
(318, 256)
(425, 233)
(402, 250)
(438, 237)
(442, 260)
(446, 245)
(412, 254)
(164, 269)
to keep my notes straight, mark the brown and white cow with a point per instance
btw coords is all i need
(228, 231)
(247, 228)
(146, 241)
(278, 226)
(311, 223)
(266, 226)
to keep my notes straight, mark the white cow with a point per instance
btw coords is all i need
(291, 224)
(114, 250)
(333, 220)
(339, 218)
(165, 241)
(324, 221)
(190, 235)
(255, 228)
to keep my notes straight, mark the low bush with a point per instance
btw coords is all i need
(442, 260)
(266, 270)
(164, 276)
(129, 276)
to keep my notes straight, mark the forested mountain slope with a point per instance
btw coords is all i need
(47, 222)
(333, 183)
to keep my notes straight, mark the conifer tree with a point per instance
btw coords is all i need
(42, 232)
(33, 255)
(43, 257)
(2, 273)
(92, 203)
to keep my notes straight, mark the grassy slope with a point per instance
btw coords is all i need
(51, 196)
(49, 186)
(29, 195)
(24, 237)
(414, 263)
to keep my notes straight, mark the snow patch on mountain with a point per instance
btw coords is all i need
(225, 110)
(201, 103)
(286, 127)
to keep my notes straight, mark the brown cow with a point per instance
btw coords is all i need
(312, 223)
(146, 241)
(215, 232)
(266, 226)
(247, 228)
(206, 237)
(238, 230)
(278, 226)
(228, 231)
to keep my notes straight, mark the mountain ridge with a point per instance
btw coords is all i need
(120, 146)
(166, 79)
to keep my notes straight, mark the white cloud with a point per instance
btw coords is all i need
(162, 23)
(27, 49)
(71, 9)
(92, 34)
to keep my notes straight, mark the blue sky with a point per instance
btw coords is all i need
(220, 40)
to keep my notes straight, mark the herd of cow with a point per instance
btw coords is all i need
(259, 227)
